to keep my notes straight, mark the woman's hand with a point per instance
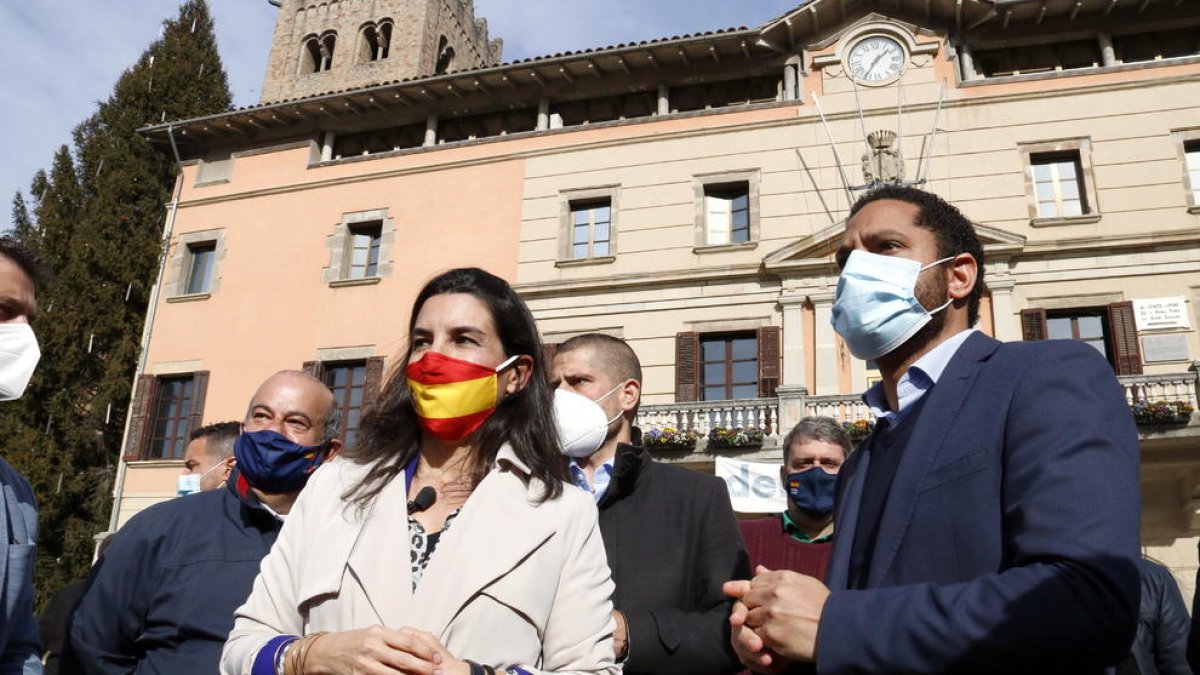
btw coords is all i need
(381, 651)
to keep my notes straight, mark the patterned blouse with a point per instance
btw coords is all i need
(422, 545)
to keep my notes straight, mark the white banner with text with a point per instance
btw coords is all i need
(754, 487)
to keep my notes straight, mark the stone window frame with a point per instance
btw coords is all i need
(336, 274)
(180, 266)
(361, 48)
(1082, 148)
(597, 193)
(702, 182)
(1183, 139)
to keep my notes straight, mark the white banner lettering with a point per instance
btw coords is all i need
(754, 487)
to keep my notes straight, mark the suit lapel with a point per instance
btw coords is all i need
(846, 517)
(498, 527)
(934, 420)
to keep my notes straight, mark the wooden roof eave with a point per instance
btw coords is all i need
(537, 72)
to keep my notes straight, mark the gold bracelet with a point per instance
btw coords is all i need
(304, 657)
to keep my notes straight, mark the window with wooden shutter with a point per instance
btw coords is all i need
(1033, 324)
(143, 396)
(729, 366)
(687, 353)
(768, 360)
(347, 380)
(171, 408)
(1126, 353)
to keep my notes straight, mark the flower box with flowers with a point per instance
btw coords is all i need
(669, 438)
(857, 430)
(736, 437)
(1161, 412)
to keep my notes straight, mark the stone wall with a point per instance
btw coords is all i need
(417, 29)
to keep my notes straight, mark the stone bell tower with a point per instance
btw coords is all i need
(323, 46)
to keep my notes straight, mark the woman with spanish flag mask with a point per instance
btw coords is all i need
(444, 542)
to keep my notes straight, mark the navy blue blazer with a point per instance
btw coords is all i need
(20, 651)
(1009, 541)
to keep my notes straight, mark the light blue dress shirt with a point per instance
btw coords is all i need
(602, 478)
(918, 379)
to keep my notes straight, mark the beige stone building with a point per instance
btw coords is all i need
(686, 194)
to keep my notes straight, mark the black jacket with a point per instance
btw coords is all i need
(1160, 647)
(161, 598)
(672, 541)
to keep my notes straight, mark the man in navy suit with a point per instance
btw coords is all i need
(990, 523)
(20, 651)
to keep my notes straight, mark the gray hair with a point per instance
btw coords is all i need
(823, 429)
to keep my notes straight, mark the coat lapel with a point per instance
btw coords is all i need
(385, 530)
(497, 529)
(846, 517)
(920, 454)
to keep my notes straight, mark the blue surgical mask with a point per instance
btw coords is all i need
(274, 463)
(876, 308)
(812, 491)
(189, 483)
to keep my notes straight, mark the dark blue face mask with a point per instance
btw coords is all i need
(812, 491)
(274, 463)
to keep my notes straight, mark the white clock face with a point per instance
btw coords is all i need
(876, 59)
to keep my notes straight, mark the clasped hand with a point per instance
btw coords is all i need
(775, 618)
(379, 650)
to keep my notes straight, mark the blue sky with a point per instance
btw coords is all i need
(64, 55)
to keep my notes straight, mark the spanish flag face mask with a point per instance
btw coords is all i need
(452, 397)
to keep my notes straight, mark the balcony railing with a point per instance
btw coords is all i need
(841, 407)
(1169, 387)
(702, 416)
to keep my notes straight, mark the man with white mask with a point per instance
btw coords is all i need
(669, 532)
(208, 459)
(989, 523)
(20, 272)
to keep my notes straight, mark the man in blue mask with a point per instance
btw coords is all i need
(989, 524)
(161, 598)
(801, 538)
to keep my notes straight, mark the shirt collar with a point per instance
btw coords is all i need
(918, 379)
(794, 531)
(601, 479)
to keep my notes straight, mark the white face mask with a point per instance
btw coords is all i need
(189, 483)
(580, 421)
(19, 356)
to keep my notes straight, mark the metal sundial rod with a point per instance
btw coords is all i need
(862, 123)
(925, 161)
(833, 146)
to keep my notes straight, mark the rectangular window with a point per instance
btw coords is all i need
(1191, 152)
(1058, 185)
(347, 380)
(200, 273)
(363, 250)
(727, 213)
(591, 229)
(728, 367)
(1109, 329)
(169, 424)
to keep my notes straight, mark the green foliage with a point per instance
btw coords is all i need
(97, 218)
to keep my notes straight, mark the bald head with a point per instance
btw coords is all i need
(297, 405)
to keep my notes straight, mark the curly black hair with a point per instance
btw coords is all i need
(953, 231)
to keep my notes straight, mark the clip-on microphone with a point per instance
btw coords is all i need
(424, 499)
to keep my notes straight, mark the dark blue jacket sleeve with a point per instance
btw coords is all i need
(1169, 621)
(1065, 597)
(111, 615)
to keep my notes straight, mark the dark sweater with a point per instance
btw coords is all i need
(773, 548)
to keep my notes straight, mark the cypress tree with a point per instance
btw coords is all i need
(99, 220)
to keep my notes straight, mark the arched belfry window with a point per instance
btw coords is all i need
(445, 58)
(376, 41)
(317, 56)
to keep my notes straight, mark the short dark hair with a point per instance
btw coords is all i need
(823, 429)
(953, 231)
(27, 260)
(221, 437)
(616, 357)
